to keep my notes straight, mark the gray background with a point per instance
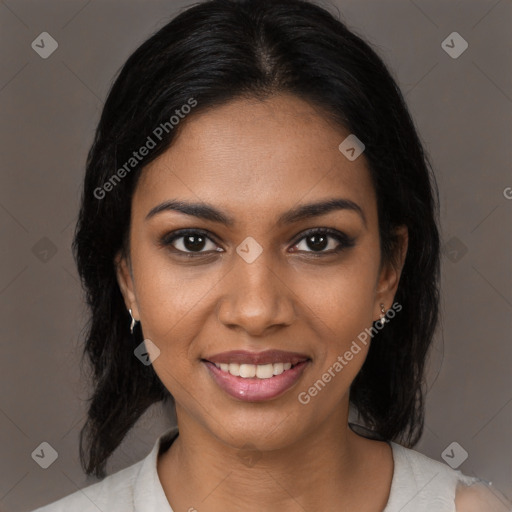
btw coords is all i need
(50, 107)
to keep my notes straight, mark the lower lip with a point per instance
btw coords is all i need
(254, 389)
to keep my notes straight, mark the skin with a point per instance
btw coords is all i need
(255, 160)
(480, 498)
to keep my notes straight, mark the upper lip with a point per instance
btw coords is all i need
(265, 357)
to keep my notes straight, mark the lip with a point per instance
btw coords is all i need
(264, 357)
(255, 389)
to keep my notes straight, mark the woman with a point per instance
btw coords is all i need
(259, 246)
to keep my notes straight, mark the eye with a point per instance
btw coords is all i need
(324, 240)
(319, 240)
(189, 241)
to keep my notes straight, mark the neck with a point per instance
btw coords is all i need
(326, 465)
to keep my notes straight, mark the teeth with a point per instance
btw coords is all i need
(264, 371)
(233, 368)
(278, 368)
(248, 371)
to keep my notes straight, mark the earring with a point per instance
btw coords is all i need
(383, 318)
(133, 321)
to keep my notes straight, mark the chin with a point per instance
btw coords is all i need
(263, 430)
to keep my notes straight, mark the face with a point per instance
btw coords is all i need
(252, 280)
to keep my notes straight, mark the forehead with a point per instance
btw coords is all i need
(256, 156)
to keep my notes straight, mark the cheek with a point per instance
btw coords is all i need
(176, 305)
(343, 298)
(172, 309)
(343, 309)
(167, 289)
(342, 303)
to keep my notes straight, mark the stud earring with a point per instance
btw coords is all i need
(133, 321)
(383, 318)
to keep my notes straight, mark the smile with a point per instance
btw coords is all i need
(256, 376)
(260, 371)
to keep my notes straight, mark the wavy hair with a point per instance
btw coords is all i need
(216, 51)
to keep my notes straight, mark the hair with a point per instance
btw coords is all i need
(214, 52)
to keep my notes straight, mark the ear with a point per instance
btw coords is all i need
(390, 272)
(125, 281)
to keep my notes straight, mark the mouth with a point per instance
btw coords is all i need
(256, 376)
(259, 371)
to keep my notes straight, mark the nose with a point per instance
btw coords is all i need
(256, 297)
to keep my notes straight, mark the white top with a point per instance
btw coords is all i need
(419, 484)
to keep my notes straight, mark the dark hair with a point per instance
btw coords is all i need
(214, 52)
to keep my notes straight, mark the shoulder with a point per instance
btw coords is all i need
(422, 484)
(480, 498)
(423, 469)
(114, 493)
(136, 487)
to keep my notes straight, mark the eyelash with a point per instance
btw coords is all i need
(345, 242)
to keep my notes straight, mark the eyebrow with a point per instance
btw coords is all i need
(208, 212)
